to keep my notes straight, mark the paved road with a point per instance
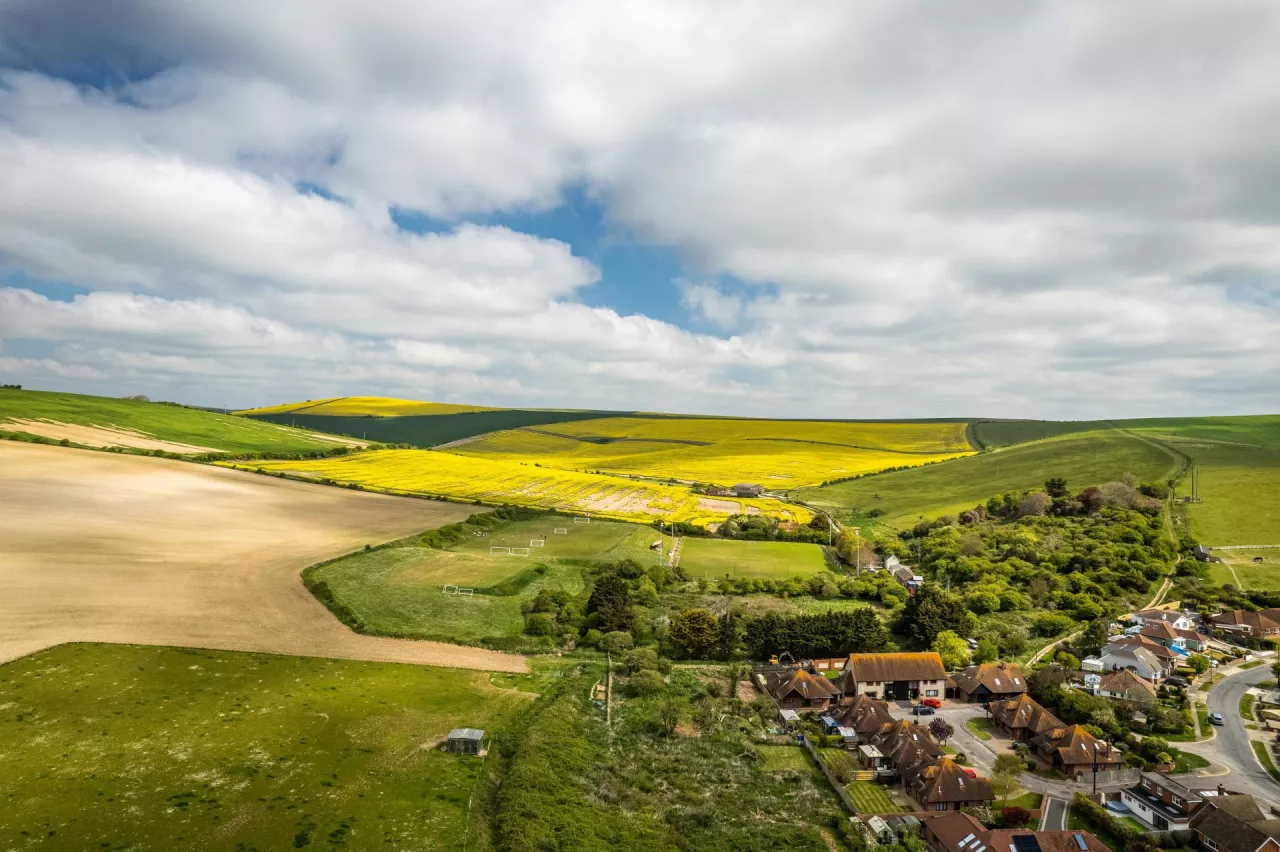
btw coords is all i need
(1055, 815)
(1231, 747)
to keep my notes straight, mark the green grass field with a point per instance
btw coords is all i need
(1260, 430)
(140, 748)
(1261, 576)
(717, 557)
(953, 486)
(604, 541)
(872, 798)
(162, 421)
(1238, 485)
(783, 759)
(430, 430)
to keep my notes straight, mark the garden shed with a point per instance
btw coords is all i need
(464, 741)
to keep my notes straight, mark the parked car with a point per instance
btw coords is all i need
(931, 702)
(923, 710)
(1216, 719)
(972, 773)
(1179, 680)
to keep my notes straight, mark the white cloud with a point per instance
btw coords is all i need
(1044, 209)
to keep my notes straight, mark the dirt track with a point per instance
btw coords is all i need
(101, 547)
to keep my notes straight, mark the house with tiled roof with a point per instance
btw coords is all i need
(987, 682)
(1173, 618)
(865, 715)
(1162, 632)
(954, 831)
(801, 691)
(1022, 718)
(1076, 752)
(946, 786)
(1257, 625)
(1125, 685)
(1234, 823)
(1147, 658)
(1161, 803)
(895, 677)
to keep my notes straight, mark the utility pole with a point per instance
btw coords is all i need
(857, 553)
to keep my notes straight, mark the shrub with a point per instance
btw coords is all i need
(645, 683)
(616, 642)
(1015, 816)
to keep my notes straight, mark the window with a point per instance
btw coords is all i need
(941, 806)
(1207, 843)
(1177, 801)
(931, 693)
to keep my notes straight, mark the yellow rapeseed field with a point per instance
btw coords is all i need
(438, 474)
(361, 406)
(773, 453)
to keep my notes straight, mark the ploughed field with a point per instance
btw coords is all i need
(108, 547)
(131, 747)
(441, 474)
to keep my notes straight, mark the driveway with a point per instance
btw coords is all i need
(1055, 814)
(1231, 747)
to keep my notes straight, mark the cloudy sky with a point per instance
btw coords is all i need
(816, 209)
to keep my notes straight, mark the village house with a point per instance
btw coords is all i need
(1145, 657)
(895, 677)
(1122, 685)
(947, 786)
(1076, 752)
(1176, 620)
(1234, 823)
(960, 832)
(1161, 803)
(1258, 625)
(908, 747)
(747, 489)
(800, 691)
(865, 715)
(1023, 718)
(905, 575)
(985, 682)
(1161, 632)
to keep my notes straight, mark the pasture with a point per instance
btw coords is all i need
(776, 454)
(1240, 564)
(129, 747)
(398, 591)
(1238, 486)
(104, 422)
(901, 497)
(438, 474)
(108, 547)
(717, 557)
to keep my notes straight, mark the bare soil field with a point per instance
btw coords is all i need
(100, 436)
(102, 547)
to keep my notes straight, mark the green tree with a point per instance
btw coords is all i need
(1095, 635)
(1004, 785)
(1009, 764)
(1056, 487)
(988, 652)
(932, 610)
(616, 642)
(646, 683)
(1068, 661)
(610, 604)
(1199, 663)
(696, 631)
(953, 650)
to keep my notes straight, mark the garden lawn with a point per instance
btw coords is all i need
(980, 728)
(146, 748)
(872, 798)
(717, 557)
(783, 758)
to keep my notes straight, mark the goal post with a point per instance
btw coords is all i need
(519, 551)
(561, 531)
(537, 542)
(495, 550)
(582, 519)
(449, 589)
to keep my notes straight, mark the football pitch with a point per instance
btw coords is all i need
(716, 558)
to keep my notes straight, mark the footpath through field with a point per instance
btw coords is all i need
(102, 547)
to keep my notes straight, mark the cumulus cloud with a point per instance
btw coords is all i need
(996, 209)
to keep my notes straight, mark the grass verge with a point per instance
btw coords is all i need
(980, 728)
(1264, 757)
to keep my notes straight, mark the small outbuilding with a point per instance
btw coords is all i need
(747, 489)
(464, 741)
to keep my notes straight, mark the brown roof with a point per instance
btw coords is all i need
(908, 745)
(884, 668)
(998, 678)
(1145, 643)
(955, 830)
(1234, 823)
(808, 686)
(1158, 630)
(1189, 634)
(864, 714)
(1264, 621)
(1024, 713)
(946, 781)
(1126, 682)
(1075, 746)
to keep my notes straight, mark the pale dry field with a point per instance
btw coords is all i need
(100, 436)
(101, 547)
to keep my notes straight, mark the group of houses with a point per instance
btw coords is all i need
(1221, 821)
(1242, 624)
(892, 677)
(1070, 749)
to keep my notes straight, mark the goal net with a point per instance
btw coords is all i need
(519, 551)
(561, 531)
(582, 519)
(537, 542)
(449, 590)
(497, 550)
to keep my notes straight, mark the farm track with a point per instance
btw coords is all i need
(104, 547)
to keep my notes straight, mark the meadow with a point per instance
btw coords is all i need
(1238, 486)
(398, 591)
(901, 497)
(103, 421)
(1240, 570)
(717, 557)
(129, 747)
(470, 478)
(366, 406)
(777, 454)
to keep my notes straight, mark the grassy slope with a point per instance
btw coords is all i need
(366, 406)
(427, 431)
(397, 591)
(1261, 429)
(1238, 485)
(720, 557)
(169, 749)
(950, 487)
(167, 422)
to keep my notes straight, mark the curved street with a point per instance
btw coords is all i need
(1230, 748)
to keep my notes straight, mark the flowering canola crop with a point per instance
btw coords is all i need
(362, 406)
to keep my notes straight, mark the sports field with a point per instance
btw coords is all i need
(470, 478)
(399, 591)
(951, 487)
(717, 557)
(129, 747)
(777, 454)
(97, 421)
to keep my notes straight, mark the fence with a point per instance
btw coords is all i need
(845, 798)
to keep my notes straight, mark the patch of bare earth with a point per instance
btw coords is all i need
(628, 502)
(101, 547)
(100, 436)
(711, 504)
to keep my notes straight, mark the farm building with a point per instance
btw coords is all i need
(464, 741)
(747, 489)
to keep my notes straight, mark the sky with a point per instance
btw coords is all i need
(825, 209)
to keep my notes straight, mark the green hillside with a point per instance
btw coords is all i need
(949, 487)
(1259, 429)
(158, 420)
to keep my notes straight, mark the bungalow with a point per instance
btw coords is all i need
(1124, 685)
(1076, 752)
(895, 677)
(798, 690)
(1234, 823)
(955, 831)
(1023, 718)
(1141, 655)
(946, 786)
(1176, 620)
(1161, 803)
(987, 682)
(1260, 624)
